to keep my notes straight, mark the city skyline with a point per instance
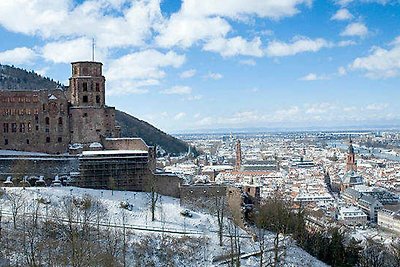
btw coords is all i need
(200, 65)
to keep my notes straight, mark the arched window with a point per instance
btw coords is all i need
(60, 121)
(47, 139)
(97, 99)
(47, 120)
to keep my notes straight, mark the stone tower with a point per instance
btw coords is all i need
(351, 164)
(90, 118)
(238, 155)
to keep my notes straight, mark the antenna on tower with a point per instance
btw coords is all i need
(93, 43)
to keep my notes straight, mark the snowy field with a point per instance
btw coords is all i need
(168, 221)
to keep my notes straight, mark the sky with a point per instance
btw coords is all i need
(193, 65)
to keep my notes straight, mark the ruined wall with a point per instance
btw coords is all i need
(89, 124)
(34, 121)
(168, 184)
(125, 144)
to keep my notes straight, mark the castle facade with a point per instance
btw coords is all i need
(51, 120)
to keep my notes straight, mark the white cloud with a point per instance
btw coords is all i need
(146, 63)
(249, 62)
(178, 90)
(319, 108)
(342, 14)
(355, 29)
(179, 116)
(113, 24)
(313, 77)
(235, 46)
(381, 63)
(341, 71)
(344, 2)
(70, 51)
(298, 45)
(346, 43)
(131, 72)
(377, 106)
(184, 31)
(311, 114)
(188, 74)
(213, 76)
(236, 9)
(194, 97)
(286, 114)
(43, 71)
(206, 20)
(19, 55)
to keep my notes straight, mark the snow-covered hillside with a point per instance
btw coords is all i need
(196, 236)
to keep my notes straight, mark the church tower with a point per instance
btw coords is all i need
(351, 164)
(90, 118)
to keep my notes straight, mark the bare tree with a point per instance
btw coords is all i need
(395, 251)
(2, 193)
(234, 237)
(17, 201)
(31, 235)
(154, 197)
(220, 209)
(112, 185)
(373, 255)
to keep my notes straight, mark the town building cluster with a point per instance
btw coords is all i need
(340, 180)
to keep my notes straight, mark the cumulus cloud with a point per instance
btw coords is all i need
(140, 69)
(355, 29)
(179, 116)
(235, 46)
(377, 106)
(318, 113)
(178, 90)
(19, 55)
(206, 20)
(298, 45)
(319, 108)
(188, 74)
(345, 43)
(313, 77)
(130, 25)
(347, 2)
(184, 31)
(214, 76)
(69, 51)
(342, 14)
(249, 62)
(341, 71)
(381, 62)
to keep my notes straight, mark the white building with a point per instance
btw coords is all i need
(352, 215)
(389, 219)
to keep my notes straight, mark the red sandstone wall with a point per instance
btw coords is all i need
(34, 121)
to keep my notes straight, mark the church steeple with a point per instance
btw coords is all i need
(351, 164)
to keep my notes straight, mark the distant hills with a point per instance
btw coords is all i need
(12, 78)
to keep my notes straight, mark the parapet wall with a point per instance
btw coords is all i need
(47, 166)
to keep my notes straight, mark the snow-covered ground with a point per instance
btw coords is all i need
(168, 221)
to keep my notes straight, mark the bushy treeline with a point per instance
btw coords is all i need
(15, 78)
(80, 233)
(333, 246)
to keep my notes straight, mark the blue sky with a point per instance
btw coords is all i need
(193, 65)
